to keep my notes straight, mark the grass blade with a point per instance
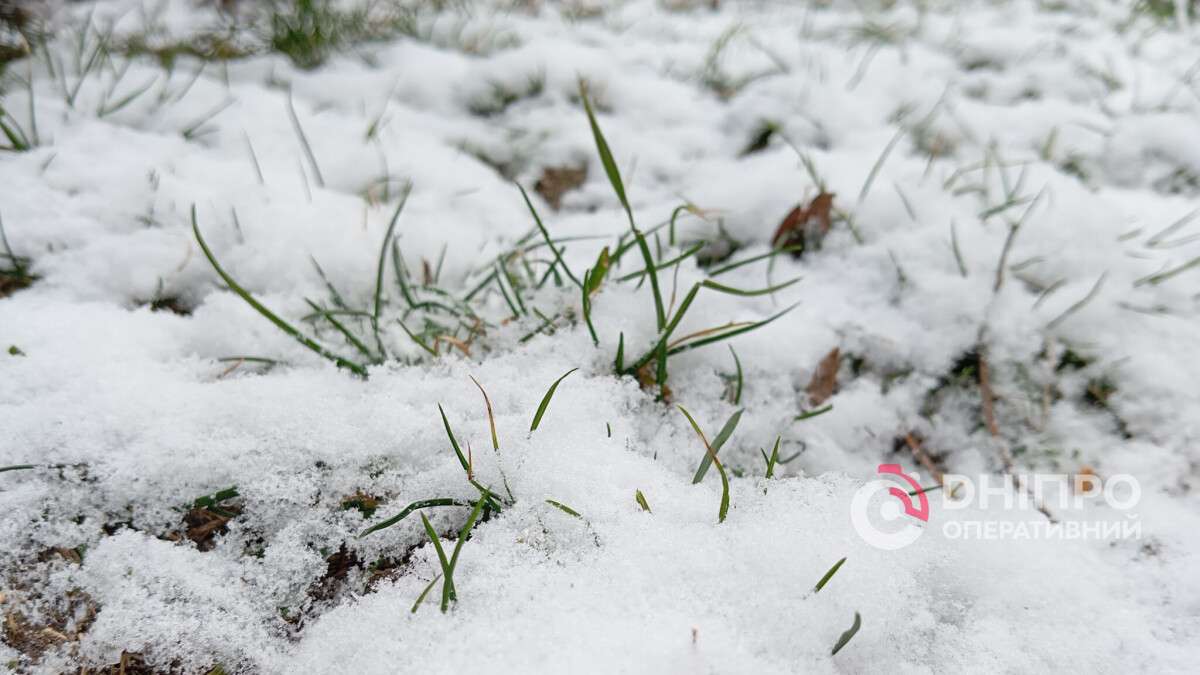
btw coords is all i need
(828, 575)
(537, 418)
(718, 442)
(845, 638)
(383, 249)
(421, 597)
(286, 327)
(737, 394)
(491, 418)
(724, 508)
(454, 442)
(417, 505)
(641, 500)
(558, 259)
(462, 539)
(447, 580)
(564, 508)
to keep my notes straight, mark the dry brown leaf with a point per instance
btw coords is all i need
(824, 379)
(806, 226)
(557, 181)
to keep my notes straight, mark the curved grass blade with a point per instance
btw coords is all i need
(491, 418)
(356, 368)
(813, 413)
(718, 442)
(419, 504)
(537, 418)
(730, 290)
(744, 328)
(845, 638)
(724, 508)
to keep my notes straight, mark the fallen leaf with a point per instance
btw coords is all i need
(824, 379)
(557, 181)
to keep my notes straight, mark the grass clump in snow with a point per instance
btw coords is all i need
(309, 31)
(14, 269)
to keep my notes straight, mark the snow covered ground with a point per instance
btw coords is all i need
(1009, 278)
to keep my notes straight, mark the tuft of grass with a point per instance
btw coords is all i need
(19, 140)
(724, 508)
(449, 594)
(310, 31)
(14, 270)
(846, 636)
(537, 417)
(773, 459)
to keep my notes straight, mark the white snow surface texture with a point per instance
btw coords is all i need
(1055, 141)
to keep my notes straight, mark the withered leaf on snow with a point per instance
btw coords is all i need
(805, 227)
(824, 379)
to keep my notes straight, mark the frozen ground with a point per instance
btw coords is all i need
(1054, 142)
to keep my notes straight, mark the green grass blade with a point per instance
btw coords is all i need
(421, 597)
(718, 442)
(463, 534)
(728, 334)
(737, 394)
(813, 413)
(308, 152)
(564, 508)
(641, 500)
(286, 327)
(845, 638)
(447, 580)
(828, 575)
(586, 302)
(753, 259)
(730, 290)
(724, 508)
(17, 467)
(558, 259)
(537, 418)
(417, 505)
(383, 249)
(606, 157)
(454, 442)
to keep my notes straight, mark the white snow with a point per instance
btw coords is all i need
(1092, 110)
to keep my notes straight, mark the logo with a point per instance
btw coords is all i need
(884, 515)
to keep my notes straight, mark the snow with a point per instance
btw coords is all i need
(1091, 111)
